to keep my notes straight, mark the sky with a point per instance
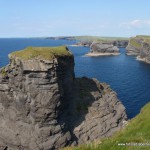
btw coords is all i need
(46, 18)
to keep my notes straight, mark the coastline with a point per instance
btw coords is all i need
(131, 54)
(101, 54)
(142, 59)
(75, 45)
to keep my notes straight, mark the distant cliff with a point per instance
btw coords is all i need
(43, 106)
(117, 43)
(139, 46)
(120, 43)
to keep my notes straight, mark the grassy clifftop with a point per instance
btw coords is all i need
(139, 40)
(46, 53)
(93, 38)
(135, 43)
(136, 136)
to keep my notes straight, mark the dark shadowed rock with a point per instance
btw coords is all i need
(120, 43)
(43, 107)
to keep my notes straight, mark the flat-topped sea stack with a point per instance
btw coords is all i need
(44, 107)
(103, 48)
(139, 46)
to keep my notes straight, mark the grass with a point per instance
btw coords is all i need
(139, 40)
(3, 72)
(143, 36)
(93, 38)
(135, 43)
(135, 133)
(46, 53)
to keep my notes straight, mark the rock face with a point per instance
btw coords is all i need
(84, 43)
(140, 46)
(117, 43)
(134, 46)
(104, 48)
(145, 52)
(98, 111)
(43, 106)
(120, 43)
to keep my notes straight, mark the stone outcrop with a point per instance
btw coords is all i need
(43, 106)
(120, 43)
(84, 43)
(103, 48)
(145, 52)
(117, 43)
(139, 46)
(134, 46)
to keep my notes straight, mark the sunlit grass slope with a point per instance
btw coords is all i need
(135, 136)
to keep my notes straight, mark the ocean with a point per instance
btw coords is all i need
(129, 78)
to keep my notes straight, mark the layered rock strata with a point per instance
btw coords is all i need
(120, 43)
(43, 106)
(103, 48)
(117, 43)
(139, 46)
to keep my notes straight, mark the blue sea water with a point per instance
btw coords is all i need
(127, 76)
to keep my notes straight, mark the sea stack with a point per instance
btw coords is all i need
(43, 106)
(103, 48)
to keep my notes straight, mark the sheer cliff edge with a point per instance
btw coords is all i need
(43, 105)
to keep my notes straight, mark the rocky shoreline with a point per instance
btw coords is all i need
(140, 47)
(101, 54)
(43, 105)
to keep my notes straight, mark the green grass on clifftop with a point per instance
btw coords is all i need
(139, 40)
(46, 53)
(135, 43)
(99, 38)
(135, 136)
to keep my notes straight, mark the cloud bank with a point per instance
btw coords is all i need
(137, 23)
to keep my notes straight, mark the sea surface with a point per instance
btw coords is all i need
(125, 75)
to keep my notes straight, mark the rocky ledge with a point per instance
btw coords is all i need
(43, 106)
(139, 46)
(103, 48)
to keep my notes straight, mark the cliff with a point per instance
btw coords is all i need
(140, 46)
(135, 135)
(120, 43)
(43, 106)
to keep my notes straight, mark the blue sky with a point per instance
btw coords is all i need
(39, 18)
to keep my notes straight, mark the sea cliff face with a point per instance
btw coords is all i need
(139, 46)
(117, 43)
(145, 52)
(134, 46)
(120, 43)
(43, 106)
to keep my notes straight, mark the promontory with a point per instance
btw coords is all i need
(140, 47)
(44, 107)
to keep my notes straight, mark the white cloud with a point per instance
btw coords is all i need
(135, 24)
